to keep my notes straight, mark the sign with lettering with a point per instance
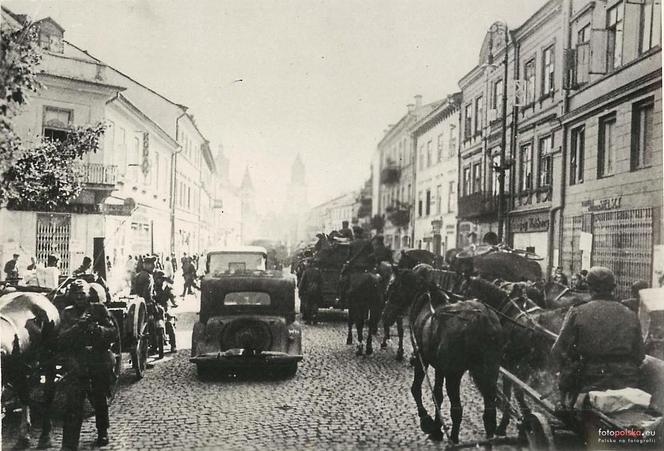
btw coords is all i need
(538, 222)
(612, 203)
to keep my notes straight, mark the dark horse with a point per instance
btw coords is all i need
(387, 272)
(28, 332)
(364, 303)
(529, 334)
(453, 338)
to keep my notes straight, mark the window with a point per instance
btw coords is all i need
(419, 204)
(409, 191)
(583, 35)
(526, 165)
(548, 63)
(577, 155)
(643, 134)
(421, 157)
(56, 123)
(429, 153)
(453, 143)
(466, 181)
(495, 183)
(651, 26)
(468, 122)
(529, 74)
(428, 197)
(478, 115)
(544, 167)
(451, 198)
(439, 199)
(615, 36)
(606, 158)
(440, 148)
(497, 96)
(477, 177)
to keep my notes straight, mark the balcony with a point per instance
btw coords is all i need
(390, 175)
(399, 218)
(480, 205)
(103, 175)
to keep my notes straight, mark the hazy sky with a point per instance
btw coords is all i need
(322, 78)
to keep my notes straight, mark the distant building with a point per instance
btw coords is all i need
(436, 136)
(296, 206)
(393, 174)
(249, 215)
(227, 206)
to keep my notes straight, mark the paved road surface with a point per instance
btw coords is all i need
(336, 400)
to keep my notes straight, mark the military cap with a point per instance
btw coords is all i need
(423, 272)
(601, 279)
(79, 286)
(158, 273)
(149, 259)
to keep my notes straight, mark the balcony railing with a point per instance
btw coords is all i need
(390, 175)
(479, 205)
(99, 174)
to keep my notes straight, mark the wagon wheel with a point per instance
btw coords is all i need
(139, 353)
(538, 432)
(116, 350)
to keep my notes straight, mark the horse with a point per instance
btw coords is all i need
(529, 333)
(558, 295)
(452, 337)
(29, 325)
(364, 302)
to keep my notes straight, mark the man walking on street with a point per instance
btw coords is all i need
(189, 275)
(85, 337)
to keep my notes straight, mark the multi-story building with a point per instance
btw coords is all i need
(227, 206)
(394, 169)
(612, 140)
(436, 137)
(538, 141)
(481, 135)
(133, 199)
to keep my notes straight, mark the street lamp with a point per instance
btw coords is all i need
(502, 167)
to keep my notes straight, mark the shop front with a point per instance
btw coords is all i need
(530, 232)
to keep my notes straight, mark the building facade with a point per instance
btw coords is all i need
(612, 141)
(394, 168)
(436, 138)
(482, 123)
(536, 168)
(133, 200)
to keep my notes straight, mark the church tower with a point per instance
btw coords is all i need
(248, 208)
(297, 205)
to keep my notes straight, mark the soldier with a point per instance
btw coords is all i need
(310, 291)
(86, 333)
(11, 269)
(380, 251)
(361, 258)
(600, 345)
(633, 302)
(144, 283)
(345, 231)
(84, 268)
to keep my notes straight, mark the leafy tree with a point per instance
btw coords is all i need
(46, 176)
(19, 57)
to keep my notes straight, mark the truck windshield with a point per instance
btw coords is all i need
(230, 262)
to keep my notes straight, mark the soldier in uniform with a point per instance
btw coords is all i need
(86, 333)
(144, 284)
(361, 258)
(345, 231)
(600, 345)
(380, 251)
(310, 291)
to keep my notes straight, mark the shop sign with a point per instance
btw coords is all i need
(530, 223)
(612, 203)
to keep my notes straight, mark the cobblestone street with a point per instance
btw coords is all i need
(336, 400)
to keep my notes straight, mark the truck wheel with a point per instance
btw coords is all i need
(205, 372)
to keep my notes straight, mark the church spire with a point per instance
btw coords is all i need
(298, 171)
(247, 184)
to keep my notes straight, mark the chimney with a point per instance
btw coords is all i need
(418, 101)
(411, 107)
